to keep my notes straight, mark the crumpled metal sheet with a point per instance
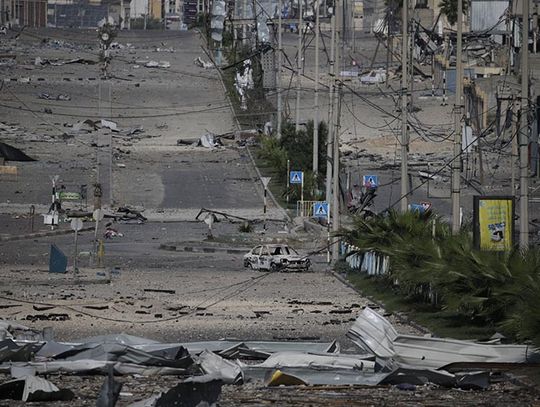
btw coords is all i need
(32, 388)
(319, 361)
(11, 330)
(94, 367)
(314, 377)
(222, 369)
(247, 349)
(375, 334)
(13, 352)
(328, 377)
(194, 392)
(127, 354)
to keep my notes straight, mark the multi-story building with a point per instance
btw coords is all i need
(31, 13)
(86, 13)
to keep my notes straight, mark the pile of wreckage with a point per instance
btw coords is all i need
(383, 357)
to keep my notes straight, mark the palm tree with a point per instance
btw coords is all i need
(449, 9)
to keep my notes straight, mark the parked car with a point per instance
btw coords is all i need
(276, 257)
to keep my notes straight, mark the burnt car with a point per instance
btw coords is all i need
(276, 257)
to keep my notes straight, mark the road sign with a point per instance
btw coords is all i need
(265, 181)
(69, 196)
(371, 181)
(76, 224)
(98, 215)
(421, 208)
(296, 177)
(320, 210)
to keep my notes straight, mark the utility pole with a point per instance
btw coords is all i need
(278, 74)
(298, 66)
(524, 133)
(337, 114)
(316, 118)
(404, 107)
(330, 139)
(456, 163)
(389, 14)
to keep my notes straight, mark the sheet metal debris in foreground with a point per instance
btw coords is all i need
(31, 388)
(375, 334)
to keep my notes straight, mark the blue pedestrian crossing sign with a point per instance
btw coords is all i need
(320, 209)
(370, 181)
(296, 177)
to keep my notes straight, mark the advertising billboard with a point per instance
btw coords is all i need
(494, 223)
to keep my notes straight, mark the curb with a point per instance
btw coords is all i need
(42, 234)
(193, 249)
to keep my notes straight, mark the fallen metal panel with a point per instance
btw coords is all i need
(12, 352)
(321, 377)
(223, 369)
(319, 361)
(31, 388)
(11, 330)
(374, 333)
(109, 392)
(52, 349)
(127, 354)
(93, 367)
(192, 393)
(260, 349)
(437, 352)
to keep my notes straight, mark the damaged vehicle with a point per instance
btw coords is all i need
(276, 257)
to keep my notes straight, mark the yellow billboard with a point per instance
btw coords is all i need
(494, 223)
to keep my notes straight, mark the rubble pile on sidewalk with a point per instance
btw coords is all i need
(383, 357)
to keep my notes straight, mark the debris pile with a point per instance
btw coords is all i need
(383, 357)
(203, 64)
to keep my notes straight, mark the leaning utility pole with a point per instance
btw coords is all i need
(404, 107)
(524, 133)
(316, 101)
(298, 66)
(456, 163)
(278, 73)
(337, 103)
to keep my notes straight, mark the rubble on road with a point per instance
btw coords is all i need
(58, 62)
(61, 96)
(89, 126)
(156, 64)
(203, 64)
(209, 141)
(404, 361)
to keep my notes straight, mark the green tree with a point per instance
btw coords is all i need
(449, 9)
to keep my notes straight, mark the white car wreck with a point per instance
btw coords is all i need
(275, 257)
(374, 77)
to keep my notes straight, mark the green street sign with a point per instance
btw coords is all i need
(70, 196)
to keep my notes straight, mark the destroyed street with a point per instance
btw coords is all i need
(163, 243)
